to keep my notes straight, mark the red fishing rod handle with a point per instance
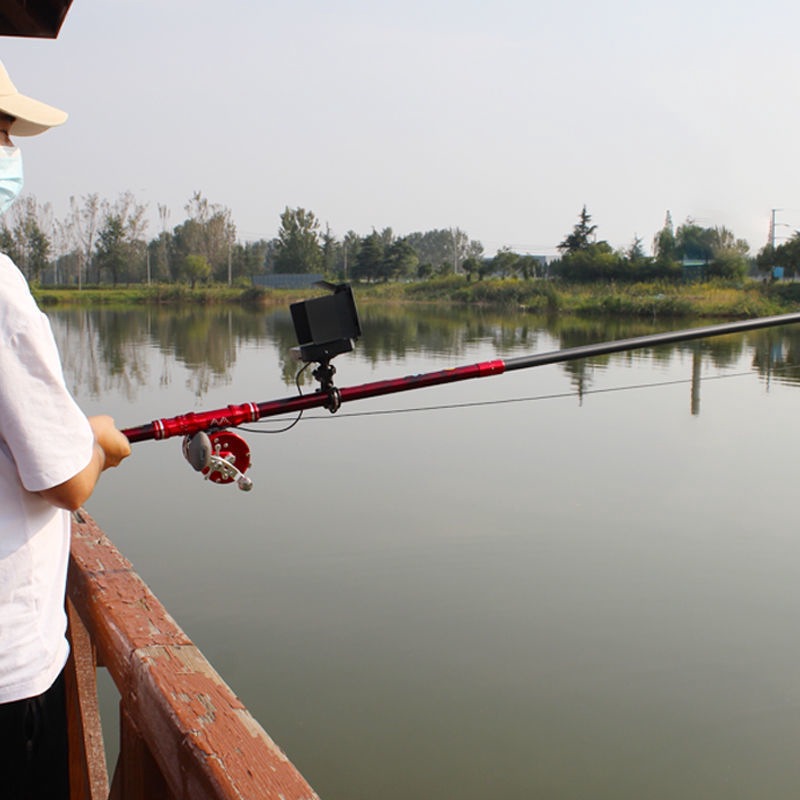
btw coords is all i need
(188, 424)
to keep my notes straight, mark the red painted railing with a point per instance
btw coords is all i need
(183, 733)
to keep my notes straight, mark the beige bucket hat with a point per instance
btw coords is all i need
(32, 117)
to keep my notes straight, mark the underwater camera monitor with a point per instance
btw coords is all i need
(326, 326)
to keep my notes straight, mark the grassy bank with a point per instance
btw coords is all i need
(167, 294)
(714, 299)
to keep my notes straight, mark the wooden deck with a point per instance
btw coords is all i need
(183, 733)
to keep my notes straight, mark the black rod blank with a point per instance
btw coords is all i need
(637, 342)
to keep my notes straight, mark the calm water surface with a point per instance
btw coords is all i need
(575, 581)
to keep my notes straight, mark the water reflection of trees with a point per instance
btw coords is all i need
(104, 349)
(204, 342)
(395, 332)
(721, 352)
(776, 353)
(278, 327)
(101, 351)
(108, 349)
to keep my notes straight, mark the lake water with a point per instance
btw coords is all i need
(575, 581)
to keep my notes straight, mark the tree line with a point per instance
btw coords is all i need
(688, 249)
(101, 242)
(104, 242)
(301, 246)
(707, 252)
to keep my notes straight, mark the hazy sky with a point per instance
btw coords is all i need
(502, 118)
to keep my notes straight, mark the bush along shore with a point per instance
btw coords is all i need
(673, 300)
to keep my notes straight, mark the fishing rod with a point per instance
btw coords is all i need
(328, 326)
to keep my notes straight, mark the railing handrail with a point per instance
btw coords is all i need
(202, 740)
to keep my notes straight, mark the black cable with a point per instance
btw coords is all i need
(296, 419)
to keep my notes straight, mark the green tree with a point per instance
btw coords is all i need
(664, 245)
(766, 258)
(299, 248)
(331, 252)
(596, 261)
(269, 255)
(38, 250)
(32, 245)
(729, 262)
(635, 252)
(120, 248)
(400, 260)
(433, 247)
(528, 266)
(581, 236)
(694, 242)
(196, 268)
(471, 267)
(505, 262)
(7, 243)
(425, 271)
(351, 244)
(725, 256)
(249, 258)
(459, 245)
(730, 255)
(158, 251)
(80, 231)
(212, 234)
(186, 240)
(369, 261)
(112, 250)
(786, 255)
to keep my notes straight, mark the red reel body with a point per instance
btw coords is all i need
(230, 457)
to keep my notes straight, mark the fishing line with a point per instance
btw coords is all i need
(529, 399)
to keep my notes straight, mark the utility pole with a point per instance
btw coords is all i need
(163, 215)
(772, 227)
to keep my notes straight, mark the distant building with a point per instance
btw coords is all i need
(694, 269)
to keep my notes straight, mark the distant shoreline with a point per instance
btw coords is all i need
(713, 299)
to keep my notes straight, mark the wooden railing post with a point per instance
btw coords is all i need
(137, 776)
(88, 774)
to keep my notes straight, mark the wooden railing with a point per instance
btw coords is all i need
(183, 733)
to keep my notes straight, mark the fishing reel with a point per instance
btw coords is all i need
(222, 457)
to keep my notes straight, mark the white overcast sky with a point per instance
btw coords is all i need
(502, 118)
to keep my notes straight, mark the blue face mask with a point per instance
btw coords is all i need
(10, 176)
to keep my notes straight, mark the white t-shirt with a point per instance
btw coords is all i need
(45, 439)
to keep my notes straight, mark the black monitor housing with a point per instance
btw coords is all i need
(326, 326)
